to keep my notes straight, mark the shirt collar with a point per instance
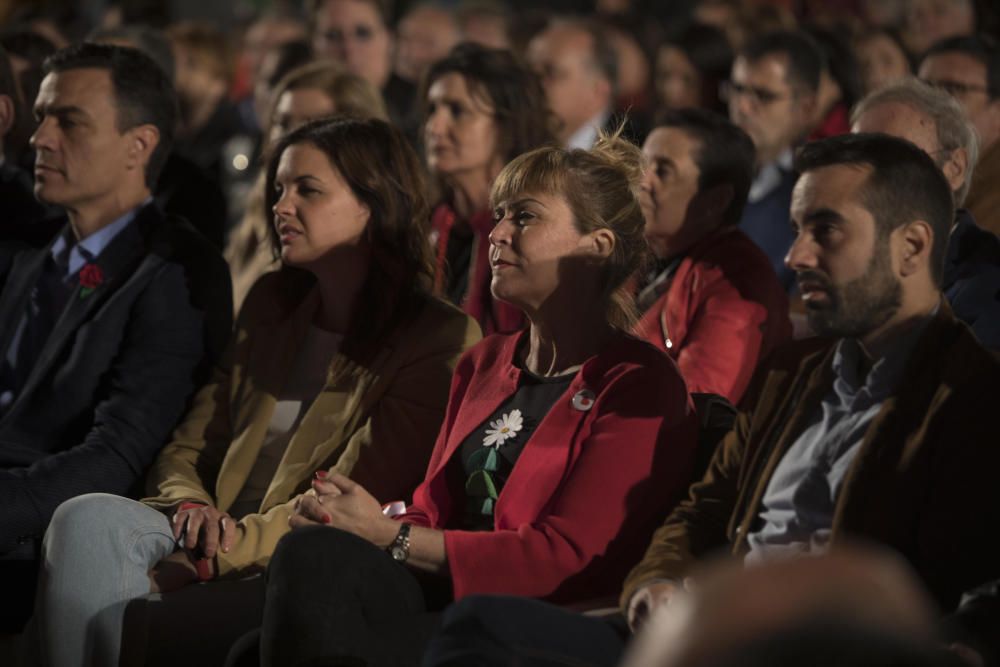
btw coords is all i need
(90, 248)
(884, 375)
(770, 175)
(587, 135)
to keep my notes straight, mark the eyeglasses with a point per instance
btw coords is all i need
(957, 88)
(761, 97)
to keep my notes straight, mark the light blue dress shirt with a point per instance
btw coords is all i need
(799, 502)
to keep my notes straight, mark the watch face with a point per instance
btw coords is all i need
(398, 554)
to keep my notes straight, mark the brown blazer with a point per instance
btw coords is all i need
(375, 422)
(922, 483)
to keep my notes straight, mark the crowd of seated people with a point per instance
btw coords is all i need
(487, 332)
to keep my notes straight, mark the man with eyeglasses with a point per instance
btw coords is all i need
(772, 96)
(969, 69)
(933, 120)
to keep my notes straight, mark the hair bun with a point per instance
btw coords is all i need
(620, 153)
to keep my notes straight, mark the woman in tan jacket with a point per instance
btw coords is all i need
(340, 361)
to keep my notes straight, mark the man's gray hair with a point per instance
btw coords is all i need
(954, 131)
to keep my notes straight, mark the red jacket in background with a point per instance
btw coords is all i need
(493, 316)
(590, 486)
(723, 311)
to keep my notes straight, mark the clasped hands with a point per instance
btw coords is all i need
(340, 502)
(201, 531)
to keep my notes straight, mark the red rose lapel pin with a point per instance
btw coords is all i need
(90, 279)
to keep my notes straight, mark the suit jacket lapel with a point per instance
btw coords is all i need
(117, 263)
(21, 279)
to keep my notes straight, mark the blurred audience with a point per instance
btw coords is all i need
(772, 95)
(933, 121)
(482, 109)
(930, 21)
(882, 58)
(22, 217)
(209, 119)
(310, 92)
(484, 22)
(712, 303)
(268, 33)
(969, 69)
(425, 35)
(839, 84)
(691, 67)
(357, 33)
(578, 69)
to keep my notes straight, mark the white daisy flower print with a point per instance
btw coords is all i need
(503, 429)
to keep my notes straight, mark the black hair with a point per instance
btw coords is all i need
(904, 184)
(840, 62)
(980, 48)
(143, 93)
(805, 58)
(725, 154)
(709, 51)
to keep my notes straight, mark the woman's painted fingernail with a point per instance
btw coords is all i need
(326, 519)
(320, 474)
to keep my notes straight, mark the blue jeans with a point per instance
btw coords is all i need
(96, 557)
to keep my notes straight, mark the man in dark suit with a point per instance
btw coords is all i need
(106, 331)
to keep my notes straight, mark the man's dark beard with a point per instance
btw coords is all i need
(860, 306)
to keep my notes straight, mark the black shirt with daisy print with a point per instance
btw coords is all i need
(488, 455)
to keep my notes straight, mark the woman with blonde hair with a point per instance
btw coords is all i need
(561, 448)
(315, 90)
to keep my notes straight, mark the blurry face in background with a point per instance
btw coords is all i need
(669, 185)
(425, 36)
(460, 131)
(297, 107)
(929, 21)
(486, 30)
(563, 58)
(678, 82)
(965, 79)
(352, 32)
(881, 61)
(765, 105)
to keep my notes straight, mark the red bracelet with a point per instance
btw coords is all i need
(202, 566)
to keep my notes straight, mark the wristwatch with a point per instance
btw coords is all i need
(400, 547)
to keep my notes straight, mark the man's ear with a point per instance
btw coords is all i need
(955, 168)
(6, 115)
(916, 241)
(143, 140)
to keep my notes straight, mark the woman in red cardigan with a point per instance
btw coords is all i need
(562, 445)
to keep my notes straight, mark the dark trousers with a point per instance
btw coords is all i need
(335, 599)
(500, 631)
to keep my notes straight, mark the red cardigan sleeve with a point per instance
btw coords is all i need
(634, 463)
